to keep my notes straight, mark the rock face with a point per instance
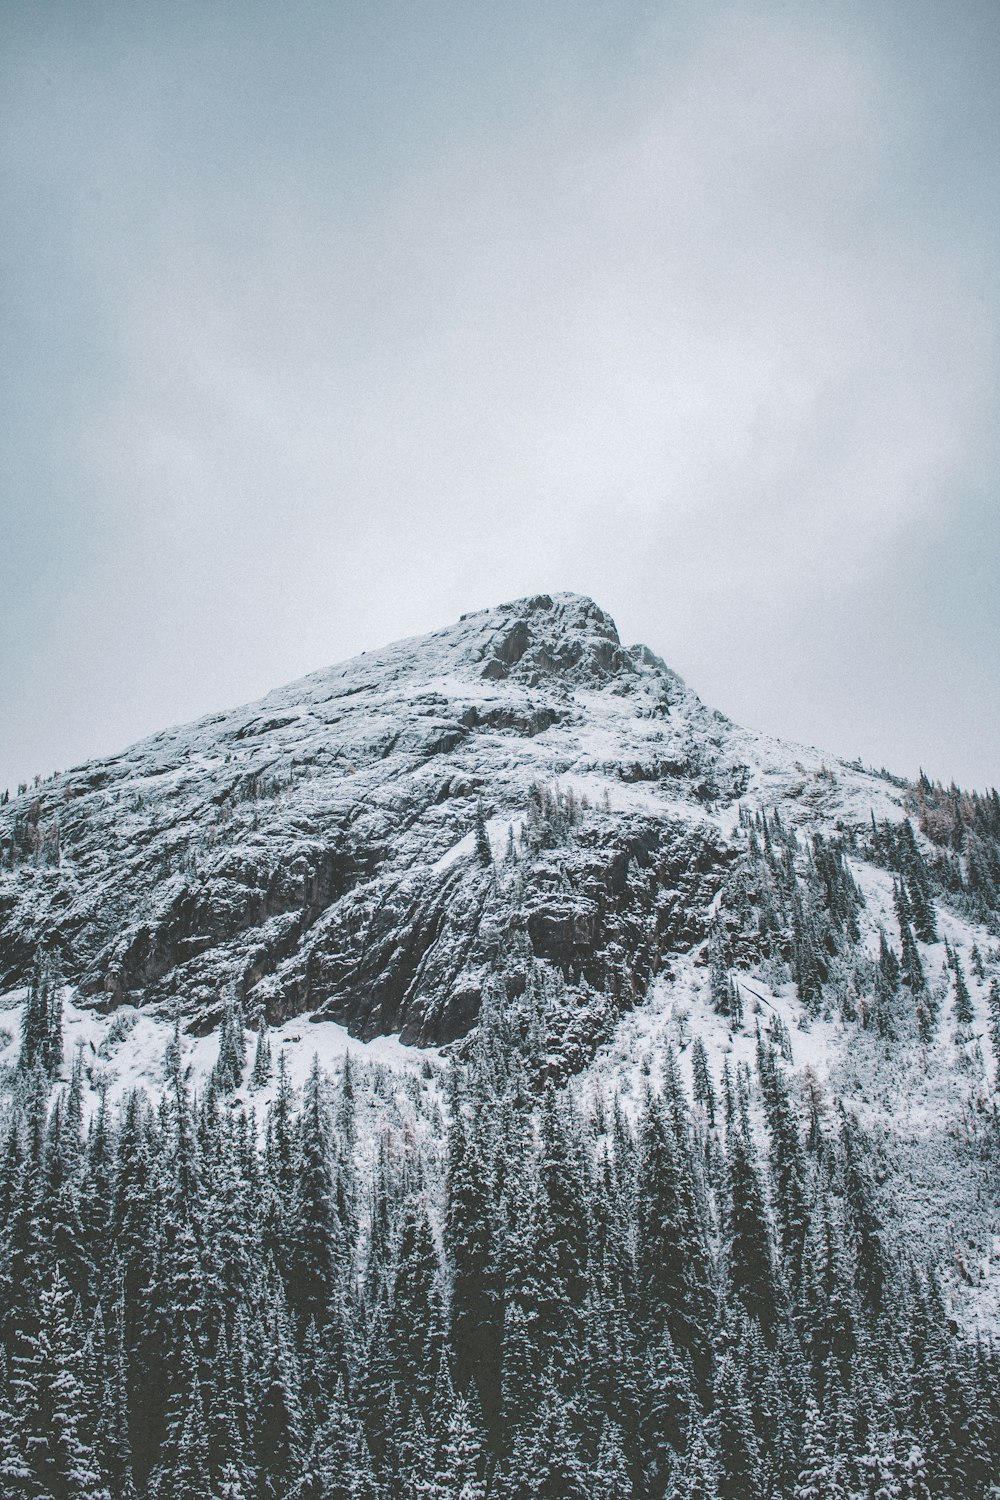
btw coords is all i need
(379, 842)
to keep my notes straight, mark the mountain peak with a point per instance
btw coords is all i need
(564, 635)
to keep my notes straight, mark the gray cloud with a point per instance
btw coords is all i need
(327, 324)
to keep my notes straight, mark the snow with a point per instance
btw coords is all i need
(464, 849)
(125, 1050)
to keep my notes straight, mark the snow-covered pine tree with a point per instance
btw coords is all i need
(260, 1073)
(817, 1478)
(963, 1000)
(48, 1408)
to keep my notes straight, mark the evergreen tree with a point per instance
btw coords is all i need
(673, 1269)
(183, 1469)
(749, 1259)
(546, 1462)
(460, 1466)
(609, 1477)
(919, 897)
(963, 1000)
(338, 1465)
(886, 988)
(260, 1075)
(228, 1072)
(49, 1409)
(41, 1023)
(561, 1244)
(911, 968)
(415, 1328)
(318, 1246)
(994, 1006)
(720, 986)
(788, 1165)
(827, 1304)
(704, 1093)
(484, 851)
(278, 1439)
(474, 1249)
(667, 1409)
(738, 1456)
(817, 1479)
(698, 1478)
(865, 1222)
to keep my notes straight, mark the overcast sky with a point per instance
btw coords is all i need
(325, 322)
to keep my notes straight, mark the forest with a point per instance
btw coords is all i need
(506, 1291)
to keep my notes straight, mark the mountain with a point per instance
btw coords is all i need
(319, 850)
(480, 1071)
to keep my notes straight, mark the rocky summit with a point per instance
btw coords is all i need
(382, 841)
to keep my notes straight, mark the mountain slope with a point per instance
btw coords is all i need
(318, 849)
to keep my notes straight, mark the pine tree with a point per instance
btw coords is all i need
(415, 1329)
(49, 1407)
(886, 988)
(484, 851)
(865, 1220)
(474, 1251)
(260, 1075)
(698, 1478)
(719, 985)
(911, 967)
(278, 1439)
(110, 1405)
(704, 1093)
(674, 1276)
(963, 1000)
(183, 1468)
(919, 897)
(749, 1259)
(994, 1005)
(317, 1237)
(609, 1476)
(788, 1165)
(338, 1465)
(881, 1472)
(667, 1408)
(561, 1240)
(817, 1478)
(460, 1465)
(227, 1074)
(827, 1313)
(546, 1462)
(914, 1475)
(737, 1452)
(41, 1023)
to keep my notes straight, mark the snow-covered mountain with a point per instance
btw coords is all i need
(623, 1116)
(518, 806)
(318, 849)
